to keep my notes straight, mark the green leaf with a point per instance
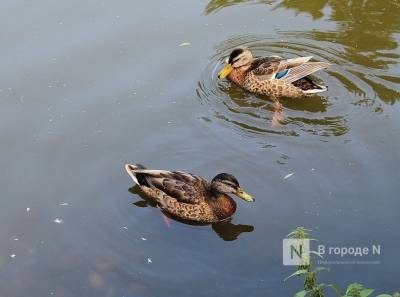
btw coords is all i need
(291, 234)
(318, 269)
(384, 295)
(298, 272)
(366, 292)
(301, 294)
(321, 285)
(316, 254)
(354, 287)
(337, 289)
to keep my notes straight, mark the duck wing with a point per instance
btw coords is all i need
(184, 187)
(298, 72)
(269, 67)
(264, 68)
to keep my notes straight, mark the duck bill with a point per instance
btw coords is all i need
(225, 71)
(242, 194)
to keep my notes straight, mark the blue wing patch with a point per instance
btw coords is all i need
(281, 74)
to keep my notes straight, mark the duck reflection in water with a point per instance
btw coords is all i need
(226, 230)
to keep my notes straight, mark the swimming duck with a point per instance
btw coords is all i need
(272, 76)
(188, 196)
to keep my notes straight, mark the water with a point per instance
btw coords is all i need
(87, 87)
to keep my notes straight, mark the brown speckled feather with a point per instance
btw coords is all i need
(259, 78)
(306, 83)
(274, 87)
(199, 212)
(182, 194)
(267, 66)
(184, 187)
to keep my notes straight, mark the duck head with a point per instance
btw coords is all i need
(226, 183)
(239, 58)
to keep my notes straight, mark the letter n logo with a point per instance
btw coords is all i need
(296, 251)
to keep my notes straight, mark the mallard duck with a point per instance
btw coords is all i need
(272, 76)
(188, 196)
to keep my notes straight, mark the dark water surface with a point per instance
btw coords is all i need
(86, 86)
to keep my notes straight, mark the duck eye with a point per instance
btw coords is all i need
(230, 184)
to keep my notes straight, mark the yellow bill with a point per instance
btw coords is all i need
(242, 194)
(225, 71)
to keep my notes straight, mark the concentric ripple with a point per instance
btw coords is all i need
(349, 87)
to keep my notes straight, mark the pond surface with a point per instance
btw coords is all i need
(86, 87)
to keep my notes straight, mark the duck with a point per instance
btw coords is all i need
(273, 76)
(188, 196)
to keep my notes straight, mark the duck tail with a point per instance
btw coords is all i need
(316, 90)
(131, 170)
